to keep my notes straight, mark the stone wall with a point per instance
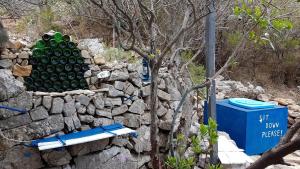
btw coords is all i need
(119, 97)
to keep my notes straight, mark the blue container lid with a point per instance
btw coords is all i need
(250, 104)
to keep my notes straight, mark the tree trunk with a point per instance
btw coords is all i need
(153, 111)
(275, 155)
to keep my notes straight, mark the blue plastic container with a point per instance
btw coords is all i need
(255, 130)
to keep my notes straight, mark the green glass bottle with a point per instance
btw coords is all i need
(37, 52)
(65, 85)
(59, 68)
(53, 43)
(42, 89)
(63, 60)
(57, 52)
(71, 45)
(54, 77)
(45, 59)
(67, 52)
(79, 75)
(76, 52)
(63, 76)
(68, 67)
(71, 75)
(35, 74)
(31, 88)
(51, 89)
(44, 75)
(48, 51)
(72, 59)
(38, 82)
(50, 68)
(85, 68)
(62, 45)
(57, 86)
(76, 67)
(33, 61)
(58, 37)
(66, 38)
(40, 44)
(79, 60)
(54, 60)
(83, 84)
(48, 84)
(74, 84)
(40, 67)
(46, 37)
(28, 80)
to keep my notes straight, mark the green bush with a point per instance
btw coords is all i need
(206, 132)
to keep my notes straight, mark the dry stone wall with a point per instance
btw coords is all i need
(116, 96)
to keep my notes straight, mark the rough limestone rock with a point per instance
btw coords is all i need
(21, 157)
(85, 54)
(69, 108)
(81, 109)
(119, 110)
(112, 92)
(129, 88)
(118, 75)
(52, 124)
(98, 102)
(39, 113)
(111, 102)
(83, 99)
(93, 46)
(15, 121)
(113, 157)
(131, 120)
(137, 107)
(102, 121)
(161, 111)
(163, 95)
(23, 102)
(82, 149)
(142, 142)
(57, 105)
(119, 85)
(5, 63)
(86, 118)
(23, 55)
(47, 102)
(37, 101)
(57, 158)
(9, 86)
(104, 113)
(22, 71)
(69, 123)
(91, 109)
(99, 60)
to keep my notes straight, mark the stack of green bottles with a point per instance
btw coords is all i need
(57, 65)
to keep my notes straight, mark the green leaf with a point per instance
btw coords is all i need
(257, 11)
(203, 129)
(281, 24)
(252, 35)
(237, 11)
(263, 23)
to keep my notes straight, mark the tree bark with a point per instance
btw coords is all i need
(275, 155)
(156, 164)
